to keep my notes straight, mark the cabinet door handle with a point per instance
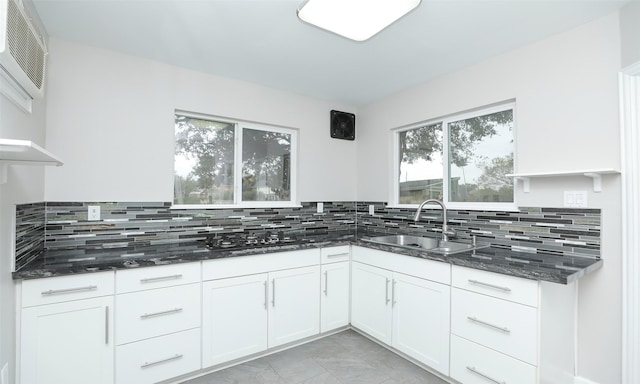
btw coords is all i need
(496, 327)
(167, 312)
(336, 255)
(147, 365)
(326, 282)
(273, 292)
(386, 291)
(106, 324)
(160, 278)
(69, 290)
(393, 292)
(474, 370)
(266, 294)
(499, 288)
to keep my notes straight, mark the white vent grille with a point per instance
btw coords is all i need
(24, 46)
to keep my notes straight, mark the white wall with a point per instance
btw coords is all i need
(110, 119)
(566, 119)
(24, 184)
(630, 33)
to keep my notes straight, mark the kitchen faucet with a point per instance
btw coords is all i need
(446, 232)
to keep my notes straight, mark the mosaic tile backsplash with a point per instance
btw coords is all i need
(64, 225)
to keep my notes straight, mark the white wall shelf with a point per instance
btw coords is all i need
(23, 152)
(595, 174)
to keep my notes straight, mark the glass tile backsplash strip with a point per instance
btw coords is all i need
(558, 231)
(139, 224)
(30, 229)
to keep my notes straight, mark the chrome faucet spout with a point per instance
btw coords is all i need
(445, 228)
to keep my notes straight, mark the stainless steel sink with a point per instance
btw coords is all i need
(425, 243)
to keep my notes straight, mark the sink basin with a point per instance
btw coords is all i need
(425, 243)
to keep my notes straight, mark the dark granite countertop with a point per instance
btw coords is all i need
(535, 266)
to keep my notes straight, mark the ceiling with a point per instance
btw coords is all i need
(262, 41)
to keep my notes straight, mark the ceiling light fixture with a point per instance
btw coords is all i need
(357, 20)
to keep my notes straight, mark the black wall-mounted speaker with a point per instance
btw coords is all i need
(343, 125)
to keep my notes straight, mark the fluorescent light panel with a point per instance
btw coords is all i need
(357, 20)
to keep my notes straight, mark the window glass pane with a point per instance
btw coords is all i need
(421, 169)
(266, 160)
(203, 165)
(481, 154)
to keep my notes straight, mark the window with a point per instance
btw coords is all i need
(461, 160)
(227, 163)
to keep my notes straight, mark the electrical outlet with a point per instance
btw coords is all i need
(320, 207)
(4, 374)
(93, 213)
(372, 209)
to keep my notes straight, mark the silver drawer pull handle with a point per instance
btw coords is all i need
(69, 290)
(496, 327)
(474, 370)
(160, 278)
(336, 255)
(326, 283)
(386, 292)
(499, 288)
(169, 312)
(147, 365)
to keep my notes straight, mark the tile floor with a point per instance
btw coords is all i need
(343, 358)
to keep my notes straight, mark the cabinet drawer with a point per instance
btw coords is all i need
(507, 327)
(158, 359)
(334, 254)
(474, 364)
(157, 277)
(251, 265)
(65, 288)
(145, 314)
(505, 287)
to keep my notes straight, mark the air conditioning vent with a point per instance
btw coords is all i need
(22, 51)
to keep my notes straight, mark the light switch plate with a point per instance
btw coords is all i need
(93, 213)
(575, 199)
(319, 207)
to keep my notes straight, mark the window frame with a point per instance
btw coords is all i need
(239, 127)
(444, 121)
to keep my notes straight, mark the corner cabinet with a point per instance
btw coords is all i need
(67, 330)
(403, 302)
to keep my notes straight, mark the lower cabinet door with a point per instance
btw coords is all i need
(421, 320)
(157, 359)
(334, 298)
(371, 310)
(69, 342)
(473, 363)
(294, 305)
(234, 318)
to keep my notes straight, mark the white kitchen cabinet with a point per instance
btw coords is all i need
(408, 313)
(247, 314)
(158, 320)
(294, 308)
(421, 320)
(66, 333)
(234, 316)
(334, 297)
(511, 330)
(68, 342)
(371, 301)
